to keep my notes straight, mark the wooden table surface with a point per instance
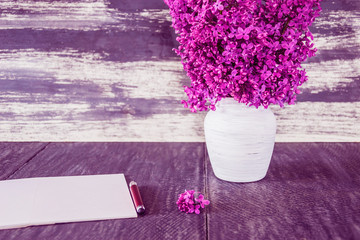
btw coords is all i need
(311, 191)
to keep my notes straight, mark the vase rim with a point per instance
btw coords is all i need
(232, 101)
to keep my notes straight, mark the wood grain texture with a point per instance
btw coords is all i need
(13, 156)
(311, 191)
(104, 70)
(162, 171)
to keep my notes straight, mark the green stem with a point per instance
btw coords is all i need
(284, 29)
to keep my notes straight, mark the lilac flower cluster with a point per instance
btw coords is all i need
(188, 203)
(250, 50)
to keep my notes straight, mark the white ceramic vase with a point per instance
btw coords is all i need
(240, 140)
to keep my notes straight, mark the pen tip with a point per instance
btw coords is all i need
(141, 210)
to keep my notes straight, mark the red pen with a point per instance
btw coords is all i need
(135, 193)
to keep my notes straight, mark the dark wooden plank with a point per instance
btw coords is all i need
(162, 171)
(312, 191)
(14, 155)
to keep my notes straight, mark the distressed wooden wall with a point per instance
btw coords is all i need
(104, 70)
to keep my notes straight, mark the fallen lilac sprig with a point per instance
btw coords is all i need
(188, 203)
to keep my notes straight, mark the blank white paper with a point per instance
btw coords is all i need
(49, 200)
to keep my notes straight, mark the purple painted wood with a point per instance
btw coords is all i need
(311, 191)
(15, 155)
(104, 70)
(162, 171)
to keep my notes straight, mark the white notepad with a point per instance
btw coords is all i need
(49, 200)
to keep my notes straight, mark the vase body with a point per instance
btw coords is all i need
(240, 140)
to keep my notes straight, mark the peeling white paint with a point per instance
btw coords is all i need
(79, 15)
(304, 122)
(55, 105)
(330, 75)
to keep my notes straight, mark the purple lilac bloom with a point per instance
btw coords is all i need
(250, 50)
(188, 203)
